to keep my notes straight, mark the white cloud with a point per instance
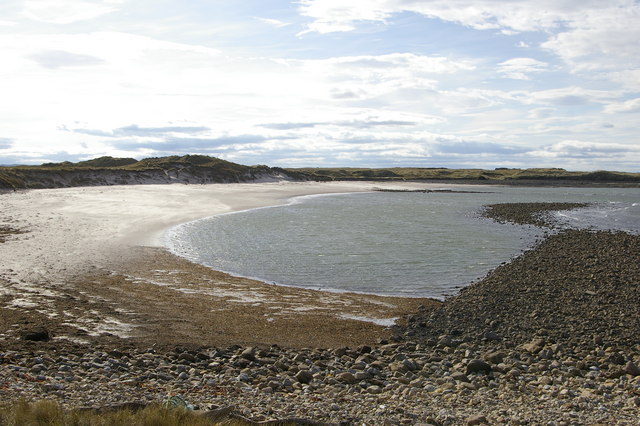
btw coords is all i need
(508, 15)
(273, 22)
(68, 11)
(586, 34)
(520, 68)
(586, 149)
(631, 105)
(567, 96)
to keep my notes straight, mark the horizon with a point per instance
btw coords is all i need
(324, 167)
(322, 83)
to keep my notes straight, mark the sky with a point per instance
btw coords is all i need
(324, 83)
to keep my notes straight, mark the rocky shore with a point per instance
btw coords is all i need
(549, 338)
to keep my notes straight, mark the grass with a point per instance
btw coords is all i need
(210, 169)
(49, 413)
(499, 174)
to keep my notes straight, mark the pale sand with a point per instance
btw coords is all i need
(98, 232)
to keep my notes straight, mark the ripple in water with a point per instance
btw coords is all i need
(403, 244)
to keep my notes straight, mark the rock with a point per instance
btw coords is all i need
(39, 334)
(446, 341)
(535, 346)
(364, 349)
(374, 390)
(186, 356)
(347, 378)
(459, 376)
(304, 376)
(492, 336)
(249, 354)
(495, 357)
(477, 420)
(478, 366)
(632, 369)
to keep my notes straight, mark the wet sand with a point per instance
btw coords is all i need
(89, 267)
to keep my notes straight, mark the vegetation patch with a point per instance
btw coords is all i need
(50, 413)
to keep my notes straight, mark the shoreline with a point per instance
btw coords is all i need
(549, 338)
(110, 236)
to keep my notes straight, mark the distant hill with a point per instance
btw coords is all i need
(188, 169)
(537, 176)
(201, 169)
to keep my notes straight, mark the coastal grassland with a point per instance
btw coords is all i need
(196, 169)
(504, 175)
(206, 169)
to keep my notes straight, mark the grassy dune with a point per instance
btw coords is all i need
(205, 169)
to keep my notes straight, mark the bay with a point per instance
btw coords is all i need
(389, 243)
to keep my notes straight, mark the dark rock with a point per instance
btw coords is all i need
(39, 334)
(249, 354)
(304, 376)
(478, 366)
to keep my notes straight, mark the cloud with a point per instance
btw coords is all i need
(54, 59)
(586, 34)
(6, 143)
(520, 68)
(539, 113)
(188, 145)
(584, 149)
(68, 11)
(472, 148)
(135, 130)
(361, 124)
(507, 15)
(568, 96)
(273, 22)
(631, 105)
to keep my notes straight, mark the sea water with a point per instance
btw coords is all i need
(391, 243)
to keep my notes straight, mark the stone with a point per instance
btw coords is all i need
(39, 334)
(248, 354)
(535, 346)
(347, 378)
(478, 366)
(495, 357)
(459, 376)
(477, 420)
(374, 390)
(492, 336)
(632, 369)
(304, 376)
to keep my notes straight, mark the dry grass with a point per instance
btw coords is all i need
(49, 413)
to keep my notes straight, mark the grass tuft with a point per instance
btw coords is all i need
(49, 413)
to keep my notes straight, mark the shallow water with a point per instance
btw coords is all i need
(403, 244)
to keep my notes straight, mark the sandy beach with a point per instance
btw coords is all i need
(89, 265)
(95, 313)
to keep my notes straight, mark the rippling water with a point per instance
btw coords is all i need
(407, 244)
